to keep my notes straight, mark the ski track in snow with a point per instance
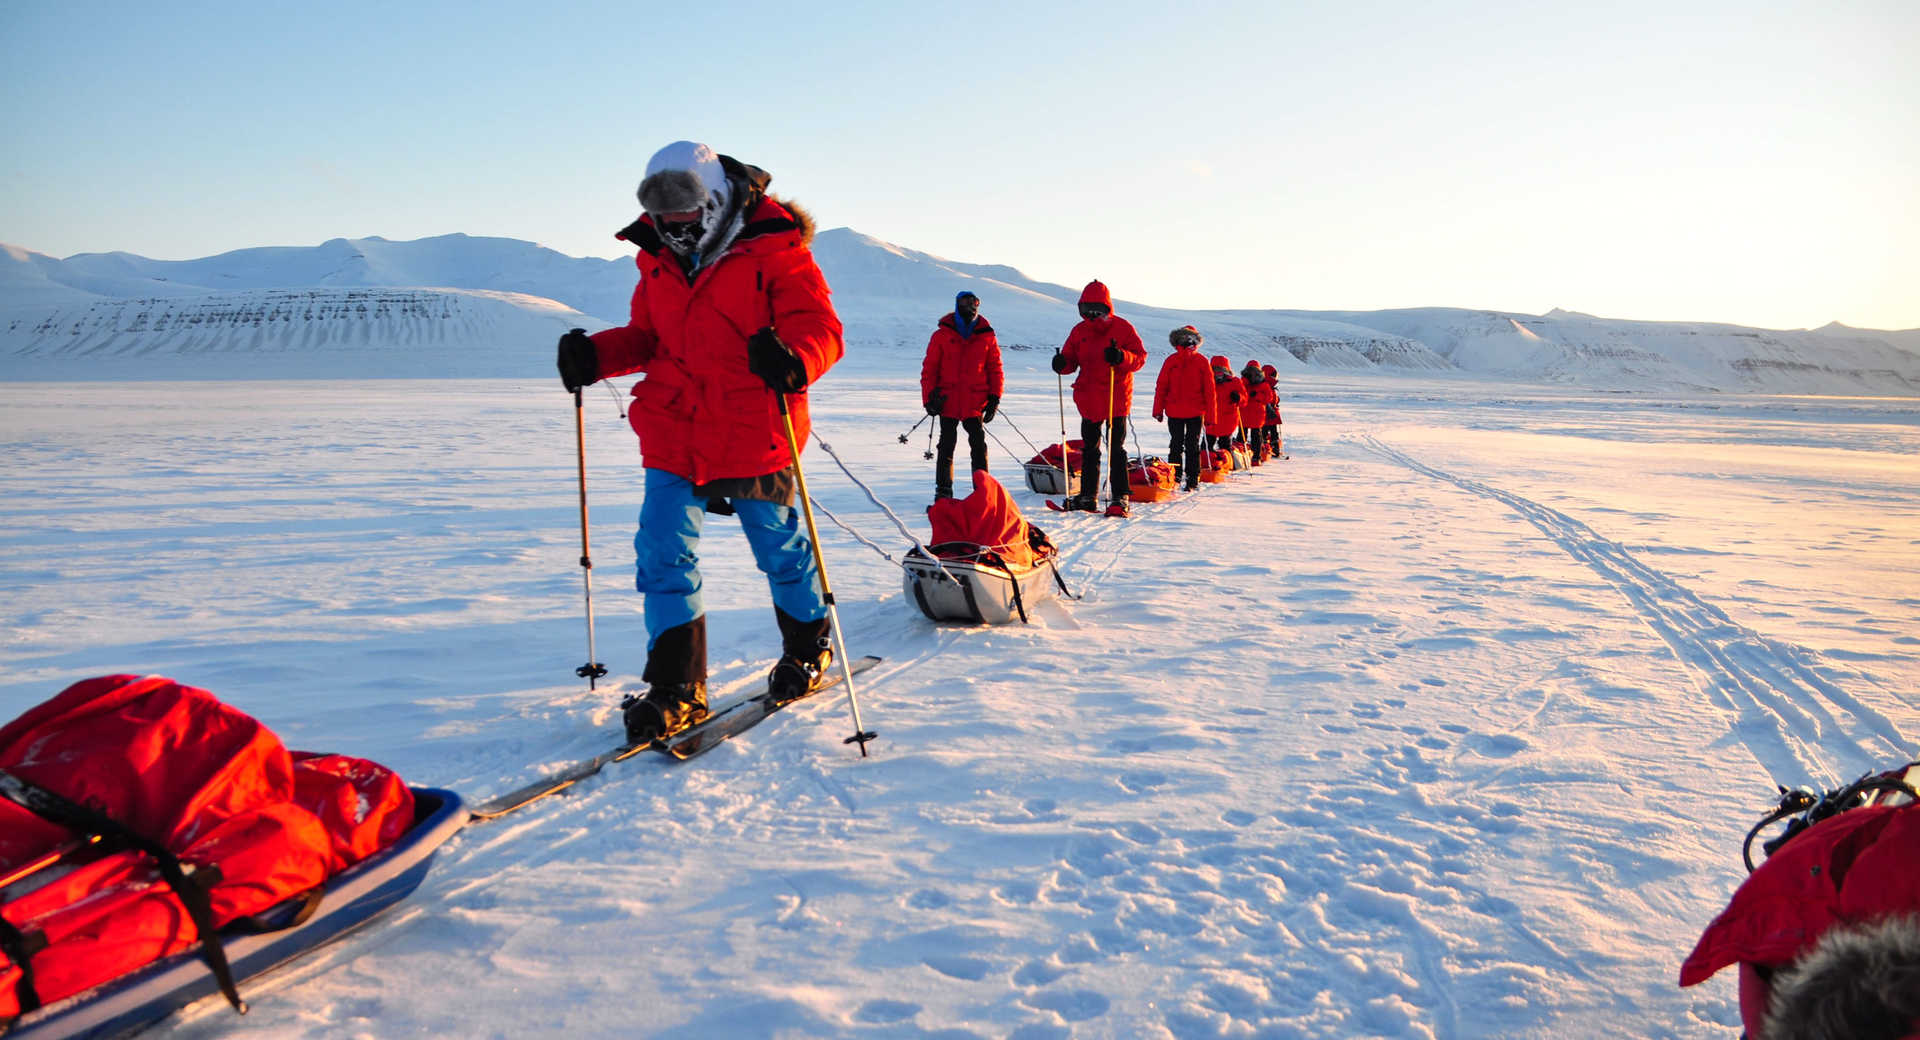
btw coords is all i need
(1802, 726)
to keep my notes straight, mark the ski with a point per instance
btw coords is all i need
(741, 716)
(730, 721)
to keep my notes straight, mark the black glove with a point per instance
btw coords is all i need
(1113, 354)
(1061, 364)
(1234, 396)
(993, 408)
(775, 363)
(579, 364)
(936, 402)
(1159, 417)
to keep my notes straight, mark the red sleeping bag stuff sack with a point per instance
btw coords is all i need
(1050, 456)
(248, 822)
(986, 519)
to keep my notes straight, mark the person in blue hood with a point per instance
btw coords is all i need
(961, 382)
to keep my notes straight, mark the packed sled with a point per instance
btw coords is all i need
(985, 564)
(1056, 469)
(157, 846)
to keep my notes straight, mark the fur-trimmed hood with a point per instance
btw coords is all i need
(765, 214)
(1857, 983)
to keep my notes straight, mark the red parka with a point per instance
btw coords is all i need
(1185, 387)
(1228, 395)
(1102, 391)
(1253, 410)
(700, 412)
(1850, 869)
(965, 369)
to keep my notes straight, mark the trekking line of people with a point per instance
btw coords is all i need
(730, 322)
(1205, 405)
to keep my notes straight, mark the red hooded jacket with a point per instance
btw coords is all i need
(1853, 868)
(1227, 410)
(1253, 411)
(1185, 387)
(700, 412)
(965, 369)
(1102, 391)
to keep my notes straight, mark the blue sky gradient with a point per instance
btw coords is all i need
(1729, 161)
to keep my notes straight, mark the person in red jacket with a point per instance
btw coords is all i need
(730, 316)
(1106, 351)
(1253, 411)
(1271, 431)
(1228, 394)
(1184, 394)
(961, 382)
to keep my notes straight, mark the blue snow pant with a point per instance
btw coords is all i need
(668, 550)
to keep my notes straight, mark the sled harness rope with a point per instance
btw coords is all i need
(875, 499)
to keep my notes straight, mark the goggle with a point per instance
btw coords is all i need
(1185, 339)
(1092, 310)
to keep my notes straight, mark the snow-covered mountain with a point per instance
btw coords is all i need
(459, 305)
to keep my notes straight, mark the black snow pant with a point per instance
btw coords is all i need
(943, 461)
(1116, 456)
(1221, 443)
(1183, 449)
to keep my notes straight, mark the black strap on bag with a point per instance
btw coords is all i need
(20, 947)
(188, 882)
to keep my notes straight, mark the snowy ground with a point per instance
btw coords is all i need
(1448, 727)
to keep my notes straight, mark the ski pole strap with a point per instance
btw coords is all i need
(189, 882)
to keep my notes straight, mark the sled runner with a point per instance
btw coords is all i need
(985, 564)
(345, 902)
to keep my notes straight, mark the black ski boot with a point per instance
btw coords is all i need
(806, 651)
(677, 685)
(664, 711)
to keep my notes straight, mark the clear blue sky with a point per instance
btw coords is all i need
(1743, 161)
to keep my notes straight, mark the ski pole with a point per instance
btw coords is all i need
(915, 426)
(860, 733)
(593, 669)
(1060, 383)
(1111, 491)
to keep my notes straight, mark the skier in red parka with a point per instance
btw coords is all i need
(1271, 431)
(730, 314)
(1106, 351)
(1228, 394)
(1253, 411)
(961, 382)
(1184, 395)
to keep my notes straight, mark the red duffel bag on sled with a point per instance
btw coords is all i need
(138, 816)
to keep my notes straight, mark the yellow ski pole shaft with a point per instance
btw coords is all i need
(860, 733)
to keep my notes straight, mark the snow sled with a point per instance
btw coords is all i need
(1044, 472)
(158, 846)
(1242, 455)
(1214, 466)
(1150, 480)
(985, 565)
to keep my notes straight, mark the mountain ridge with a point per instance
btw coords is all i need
(481, 305)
